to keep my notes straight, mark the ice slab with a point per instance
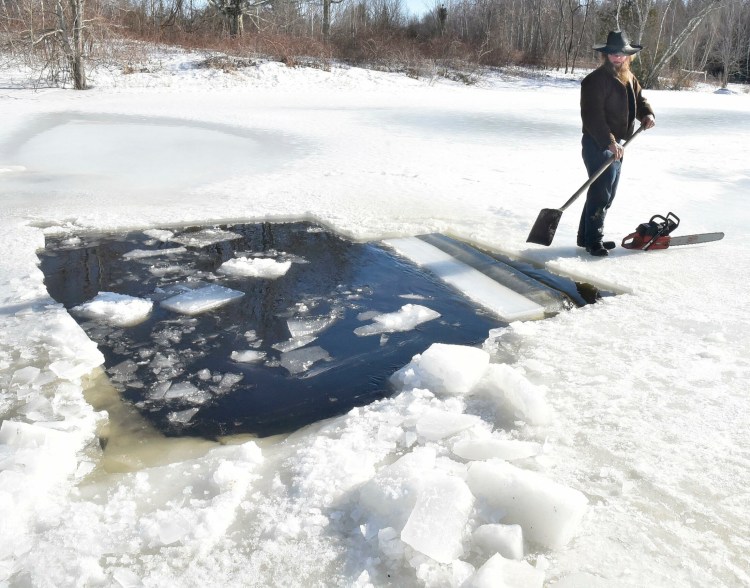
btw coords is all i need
(201, 299)
(513, 394)
(255, 267)
(148, 253)
(436, 524)
(507, 540)
(117, 309)
(405, 319)
(301, 360)
(548, 512)
(248, 356)
(205, 237)
(490, 447)
(480, 288)
(434, 424)
(506, 573)
(444, 369)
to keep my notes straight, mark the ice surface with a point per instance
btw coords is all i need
(548, 512)
(304, 327)
(117, 309)
(404, 319)
(187, 392)
(444, 369)
(499, 572)
(507, 540)
(478, 287)
(436, 524)
(201, 299)
(255, 267)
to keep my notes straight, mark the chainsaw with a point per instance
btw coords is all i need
(655, 234)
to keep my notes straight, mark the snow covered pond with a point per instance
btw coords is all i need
(606, 446)
(147, 153)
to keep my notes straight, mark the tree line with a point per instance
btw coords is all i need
(684, 40)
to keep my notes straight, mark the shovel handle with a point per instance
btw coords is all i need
(598, 172)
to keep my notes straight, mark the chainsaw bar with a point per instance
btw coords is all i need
(692, 239)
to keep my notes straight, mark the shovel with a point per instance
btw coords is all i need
(546, 223)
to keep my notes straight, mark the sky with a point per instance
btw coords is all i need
(624, 423)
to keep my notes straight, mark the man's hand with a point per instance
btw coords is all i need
(648, 122)
(616, 150)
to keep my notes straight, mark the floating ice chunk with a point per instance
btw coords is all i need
(548, 512)
(182, 417)
(247, 356)
(159, 234)
(146, 253)
(512, 392)
(25, 376)
(294, 343)
(507, 540)
(506, 573)
(444, 369)
(435, 424)
(392, 493)
(489, 447)
(116, 309)
(257, 267)
(201, 300)
(187, 392)
(309, 325)
(436, 524)
(205, 237)
(300, 360)
(405, 319)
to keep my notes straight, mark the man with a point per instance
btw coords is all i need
(611, 101)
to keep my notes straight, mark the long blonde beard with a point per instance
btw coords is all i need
(623, 74)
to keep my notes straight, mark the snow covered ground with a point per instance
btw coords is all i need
(608, 446)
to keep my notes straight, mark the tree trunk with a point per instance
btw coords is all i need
(650, 78)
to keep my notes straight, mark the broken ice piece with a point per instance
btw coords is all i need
(255, 267)
(201, 300)
(117, 309)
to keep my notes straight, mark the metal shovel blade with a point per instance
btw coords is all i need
(545, 226)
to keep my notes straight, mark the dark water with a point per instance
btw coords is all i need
(177, 369)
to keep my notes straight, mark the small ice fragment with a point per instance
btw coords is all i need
(405, 319)
(201, 300)
(117, 309)
(145, 253)
(159, 235)
(255, 267)
(187, 392)
(293, 343)
(248, 356)
(182, 417)
(205, 237)
(309, 326)
(301, 360)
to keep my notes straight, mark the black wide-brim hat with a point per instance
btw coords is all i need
(618, 42)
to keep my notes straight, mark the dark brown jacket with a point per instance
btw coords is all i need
(604, 106)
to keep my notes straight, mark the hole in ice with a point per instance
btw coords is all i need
(264, 328)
